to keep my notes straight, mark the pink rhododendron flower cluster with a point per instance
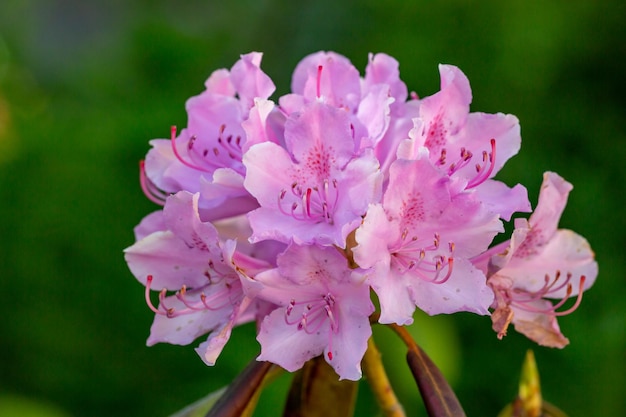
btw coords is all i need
(289, 212)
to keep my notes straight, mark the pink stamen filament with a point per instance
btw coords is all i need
(411, 256)
(231, 148)
(319, 81)
(516, 300)
(314, 314)
(216, 301)
(314, 203)
(484, 171)
(149, 189)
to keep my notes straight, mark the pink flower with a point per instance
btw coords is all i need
(418, 243)
(288, 214)
(318, 188)
(324, 307)
(539, 262)
(189, 258)
(470, 147)
(206, 156)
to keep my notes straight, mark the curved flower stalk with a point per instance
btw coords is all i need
(294, 212)
(540, 262)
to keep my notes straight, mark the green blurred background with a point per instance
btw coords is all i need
(85, 84)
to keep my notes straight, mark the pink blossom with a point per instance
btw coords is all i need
(418, 243)
(470, 147)
(289, 212)
(324, 307)
(189, 258)
(540, 262)
(318, 188)
(206, 156)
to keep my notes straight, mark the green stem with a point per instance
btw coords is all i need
(377, 378)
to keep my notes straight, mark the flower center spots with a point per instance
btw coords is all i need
(412, 210)
(531, 244)
(437, 133)
(311, 315)
(316, 204)
(319, 161)
(225, 153)
(429, 262)
(524, 300)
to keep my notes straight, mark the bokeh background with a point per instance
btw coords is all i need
(85, 84)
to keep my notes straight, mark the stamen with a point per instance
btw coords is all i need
(314, 314)
(189, 147)
(228, 295)
(149, 189)
(484, 170)
(229, 156)
(410, 255)
(312, 204)
(522, 300)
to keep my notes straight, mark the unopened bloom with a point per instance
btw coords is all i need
(540, 262)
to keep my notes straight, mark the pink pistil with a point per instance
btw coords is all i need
(319, 81)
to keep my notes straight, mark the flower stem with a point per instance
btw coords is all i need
(377, 378)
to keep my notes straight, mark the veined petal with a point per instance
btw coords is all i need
(320, 140)
(503, 200)
(169, 260)
(184, 329)
(153, 222)
(538, 326)
(250, 81)
(181, 217)
(465, 290)
(284, 345)
(384, 69)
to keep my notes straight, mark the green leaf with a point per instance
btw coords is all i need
(439, 399)
(317, 392)
(200, 407)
